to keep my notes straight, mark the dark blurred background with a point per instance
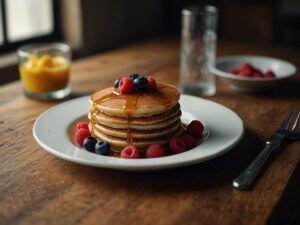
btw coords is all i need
(94, 26)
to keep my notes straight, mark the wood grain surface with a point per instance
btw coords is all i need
(38, 188)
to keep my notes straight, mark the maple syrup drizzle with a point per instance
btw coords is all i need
(129, 136)
(130, 106)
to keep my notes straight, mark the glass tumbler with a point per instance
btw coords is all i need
(44, 70)
(198, 50)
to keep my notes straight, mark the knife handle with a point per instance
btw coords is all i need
(248, 176)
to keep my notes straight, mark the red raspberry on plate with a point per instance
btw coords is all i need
(82, 125)
(195, 128)
(155, 150)
(130, 152)
(80, 135)
(177, 145)
(269, 74)
(151, 83)
(126, 85)
(189, 140)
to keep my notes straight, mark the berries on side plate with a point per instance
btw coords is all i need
(246, 67)
(82, 125)
(257, 73)
(141, 83)
(126, 85)
(247, 70)
(102, 148)
(269, 74)
(177, 145)
(245, 73)
(195, 128)
(80, 135)
(234, 71)
(130, 152)
(89, 143)
(189, 140)
(154, 151)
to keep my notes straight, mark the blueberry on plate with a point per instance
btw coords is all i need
(141, 83)
(89, 143)
(133, 76)
(102, 148)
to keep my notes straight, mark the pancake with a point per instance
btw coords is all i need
(136, 104)
(138, 118)
(142, 123)
(123, 133)
(117, 144)
(103, 118)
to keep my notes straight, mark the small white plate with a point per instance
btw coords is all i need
(283, 70)
(226, 130)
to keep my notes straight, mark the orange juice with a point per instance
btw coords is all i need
(45, 73)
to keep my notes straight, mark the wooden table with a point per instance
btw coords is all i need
(38, 188)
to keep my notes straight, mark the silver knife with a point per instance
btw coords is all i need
(248, 176)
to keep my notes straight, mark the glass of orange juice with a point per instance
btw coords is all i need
(44, 70)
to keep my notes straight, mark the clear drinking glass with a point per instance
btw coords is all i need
(198, 50)
(44, 70)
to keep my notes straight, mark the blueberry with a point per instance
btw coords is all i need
(102, 148)
(133, 76)
(141, 83)
(116, 84)
(89, 143)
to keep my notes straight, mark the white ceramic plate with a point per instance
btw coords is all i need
(226, 130)
(283, 70)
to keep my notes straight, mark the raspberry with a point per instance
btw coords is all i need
(177, 145)
(234, 71)
(269, 74)
(80, 135)
(245, 73)
(257, 73)
(246, 66)
(151, 83)
(195, 128)
(155, 150)
(126, 85)
(130, 152)
(189, 140)
(82, 125)
(246, 70)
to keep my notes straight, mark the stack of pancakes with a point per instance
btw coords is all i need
(139, 118)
